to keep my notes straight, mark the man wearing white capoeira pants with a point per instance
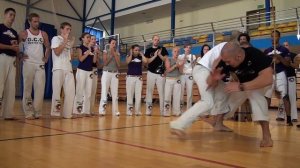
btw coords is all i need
(84, 76)
(254, 74)
(96, 49)
(32, 41)
(187, 78)
(174, 68)
(210, 97)
(282, 60)
(62, 73)
(156, 56)
(9, 49)
(110, 78)
(134, 79)
(291, 78)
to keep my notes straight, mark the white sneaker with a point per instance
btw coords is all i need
(117, 114)
(102, 113)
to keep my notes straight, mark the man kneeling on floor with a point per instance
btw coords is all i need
(254, 73)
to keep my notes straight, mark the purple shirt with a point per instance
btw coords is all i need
(86, 64)
(6, 37)
(281, 51)
(135, 66)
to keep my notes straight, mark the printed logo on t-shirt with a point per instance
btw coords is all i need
(136, 60)
(245, 71)
(35, 40)
(9, 33)
(276, 52)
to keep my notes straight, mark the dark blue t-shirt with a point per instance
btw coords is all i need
(282, 51)
(290, 71)
(135, 66)
(6, 37)
(86, 64)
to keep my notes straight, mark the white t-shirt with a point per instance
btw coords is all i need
(63, 60)
(209, 58)
(187, 67)
(34, 48)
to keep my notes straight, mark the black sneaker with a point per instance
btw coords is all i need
(294, 120)
(279, 119)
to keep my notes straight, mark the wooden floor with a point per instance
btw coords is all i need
(140, 142)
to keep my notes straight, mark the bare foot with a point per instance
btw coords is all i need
(222, 128)
(179, 133)
(266, 143)
(30, 118)
(211, 121)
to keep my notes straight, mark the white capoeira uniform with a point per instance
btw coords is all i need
(292, 92)
(134, 84)
(155, 75)
(62, 76)
(7, 72)
(281, 80)
(109, 79)
(94, 87)
(33, 74)
(84, 82)
(172, 91)
(187, 80)
(212, 100)
(292, 85)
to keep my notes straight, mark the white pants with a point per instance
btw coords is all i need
(292, 92)
(33, 75)
(213, 100)
(134, 89)
(172, 88)
(65, 79)
(159, 80)
(281, 85)
(258, 102)
(94, 89)
(7, 84)
(187, 82)
(84, 82)
(109, 80)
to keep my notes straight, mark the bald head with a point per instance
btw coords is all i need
(231, 48)
(232, 54)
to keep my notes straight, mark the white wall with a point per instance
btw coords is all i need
(59, 6)
(217, 13)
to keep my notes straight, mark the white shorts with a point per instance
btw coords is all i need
(281, 85)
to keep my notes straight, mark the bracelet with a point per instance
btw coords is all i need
(241, 87)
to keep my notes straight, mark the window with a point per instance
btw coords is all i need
(257, 18)
(94, 31)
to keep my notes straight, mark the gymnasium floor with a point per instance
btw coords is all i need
(140, 142)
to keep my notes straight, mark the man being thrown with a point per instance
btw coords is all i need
(254, 73)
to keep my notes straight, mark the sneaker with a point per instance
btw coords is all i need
(279, 119)
(101, 113)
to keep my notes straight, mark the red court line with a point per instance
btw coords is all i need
(141, 147)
